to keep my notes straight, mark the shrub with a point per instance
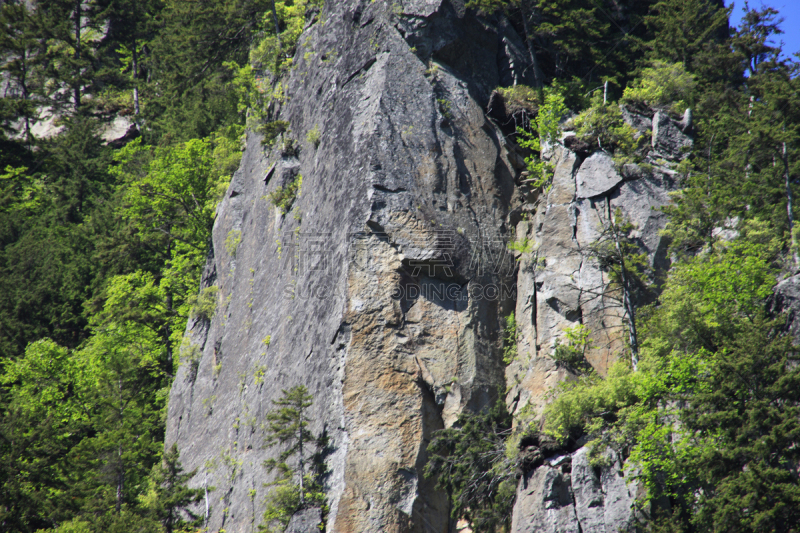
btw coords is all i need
(662, 83)
(313, 136)
(520, 98)
(227, 154)
(232, 241)
(580, 403)
(204, 304)
(445, 108)
(547, 129)
(510, 339)
(275, 52)
(573, 353)
(523, 246)
(289, 148)
(601, 126)
(189, 353)
(284, 197)
(271, 131)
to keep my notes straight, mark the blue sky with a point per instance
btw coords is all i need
(789, 10)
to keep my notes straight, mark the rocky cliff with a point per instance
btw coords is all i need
(381, 284)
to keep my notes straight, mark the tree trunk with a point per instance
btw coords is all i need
(627, 300)
(205, 488)
(277, 29)
(77, 84)
(168, 331)
(538, 75)
(302, 469)
(120, 480)
(135, 73)
(788, 185)
(24, 86)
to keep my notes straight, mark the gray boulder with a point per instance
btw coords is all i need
(786, 299)
(597, 176)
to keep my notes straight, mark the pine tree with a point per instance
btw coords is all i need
(22, 46)
(73, 29)
(683, 28)
(172, 496)
(189, 97)
(470, 464)
(288, 423)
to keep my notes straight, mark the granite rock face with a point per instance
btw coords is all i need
(567, 494)
(786, 300)
(305, 521)
(383, 286)
(562, 285)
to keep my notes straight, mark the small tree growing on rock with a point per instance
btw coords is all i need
(619, 255)
(470, 463)
(288, 424)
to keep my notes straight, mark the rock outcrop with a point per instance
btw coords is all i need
(381, 288)
(569, 495)
(382, 284)
(561, 284)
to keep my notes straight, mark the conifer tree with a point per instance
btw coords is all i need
(683, 28)
(288, 423)
(22, 46)
(172, 496)
(73, 29)
(469, 462)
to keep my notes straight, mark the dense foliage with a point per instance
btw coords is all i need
(470, 463)
(103, 243)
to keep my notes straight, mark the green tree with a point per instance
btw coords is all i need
(131, 27)
(545, 134)
(287, 426)
(22, 44)
(170, 195)
(42, 419)
(73, 30)
(48, 238)
(708, 419)
(280, 29)
(126, 388)
(169, 190)
(188, 95)
(288, 423)
(170, 498)
(470, 463)
(682, 29)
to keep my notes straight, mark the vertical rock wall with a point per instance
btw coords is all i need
(561, 284)
(382, 288)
